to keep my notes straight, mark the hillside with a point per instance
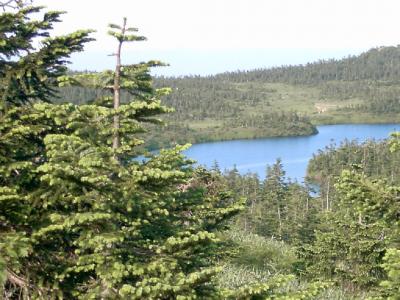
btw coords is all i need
(278, 101)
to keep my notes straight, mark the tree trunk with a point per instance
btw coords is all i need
(327, 194)
(117, 90)
(280, 222)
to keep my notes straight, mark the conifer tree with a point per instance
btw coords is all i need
(273, 202)
(29, 73)
(350, 248)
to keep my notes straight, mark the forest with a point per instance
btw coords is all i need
(246, 104)
(82, 218)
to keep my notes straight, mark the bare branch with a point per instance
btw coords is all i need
(14, 4)
(17, 280)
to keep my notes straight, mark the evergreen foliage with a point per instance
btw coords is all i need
(77, 222)
(375, 159)
(86, 213)
(347, 234)
(28, 73)
(350, 247)
(85, 217)
(381, 63)
(356, 247)
(276, 208)
(391, 286)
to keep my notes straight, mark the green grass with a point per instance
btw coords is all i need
(259, 252)
(205, 124)
(336, 117)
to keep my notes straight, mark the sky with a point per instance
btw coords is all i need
(212, 36)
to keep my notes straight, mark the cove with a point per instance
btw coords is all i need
(295, 152)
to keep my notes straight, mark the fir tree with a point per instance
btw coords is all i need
(28, 73)
(274, 194)
(350, 247)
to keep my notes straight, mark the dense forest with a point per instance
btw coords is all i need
(245, 104)
(81, 217)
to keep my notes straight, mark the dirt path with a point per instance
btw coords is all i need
(323, 107)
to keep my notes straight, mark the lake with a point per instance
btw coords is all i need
(295, 152)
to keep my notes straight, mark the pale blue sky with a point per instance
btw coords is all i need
(211, 36)
(208, 62)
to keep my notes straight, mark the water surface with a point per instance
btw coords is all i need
(295, 152)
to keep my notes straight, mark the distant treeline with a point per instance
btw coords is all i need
(376, 64)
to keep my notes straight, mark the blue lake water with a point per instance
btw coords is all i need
(295, 152)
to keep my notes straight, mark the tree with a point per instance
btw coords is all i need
(391, 264)
(273, 200)
(28, 73)
(122, 36)
(357, 232)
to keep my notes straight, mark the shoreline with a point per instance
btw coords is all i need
(294, 136)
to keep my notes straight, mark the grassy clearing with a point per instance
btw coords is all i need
(256, 260)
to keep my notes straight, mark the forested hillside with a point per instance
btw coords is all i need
(376, 64)
(280, 101)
